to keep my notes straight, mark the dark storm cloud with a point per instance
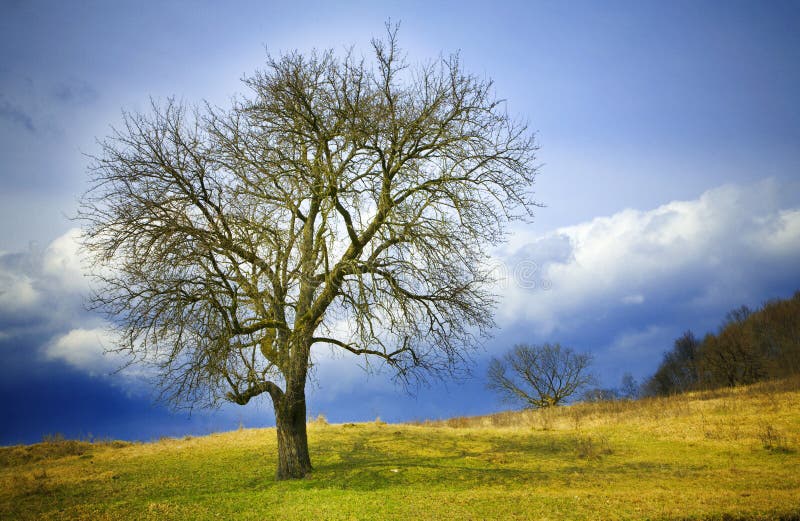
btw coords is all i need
(55, 377)
(39, 397)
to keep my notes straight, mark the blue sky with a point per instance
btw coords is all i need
(670, 172)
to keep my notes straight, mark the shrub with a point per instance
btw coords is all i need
(773, 440)
(592, 448)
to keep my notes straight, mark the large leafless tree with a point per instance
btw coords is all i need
(346, 201)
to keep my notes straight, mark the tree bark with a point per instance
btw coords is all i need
(290, 419)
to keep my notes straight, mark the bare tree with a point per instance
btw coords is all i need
(347, 202)
(540, 376)
(629, 388)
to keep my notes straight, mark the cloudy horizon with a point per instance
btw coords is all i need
(621, 287)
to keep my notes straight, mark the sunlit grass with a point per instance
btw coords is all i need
(729, 454)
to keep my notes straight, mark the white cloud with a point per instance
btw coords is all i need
(17, 292)
(84, 349)
(41, 277)
(784, 233)
(62, 262)
(43, 288)
(718, 246)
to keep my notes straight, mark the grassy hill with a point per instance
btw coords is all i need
(730, 454)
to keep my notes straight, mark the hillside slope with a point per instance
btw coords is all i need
(729, 454)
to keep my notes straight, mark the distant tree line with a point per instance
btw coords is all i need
(750, 346)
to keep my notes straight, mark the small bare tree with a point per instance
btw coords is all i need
(539, 376)
(345, 203)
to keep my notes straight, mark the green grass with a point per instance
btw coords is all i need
(721, 455)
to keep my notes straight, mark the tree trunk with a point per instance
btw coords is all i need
(290, 419)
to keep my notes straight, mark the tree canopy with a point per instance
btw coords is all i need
(345, 201)
(539, 376)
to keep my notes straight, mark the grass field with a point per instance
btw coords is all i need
(729, 454)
